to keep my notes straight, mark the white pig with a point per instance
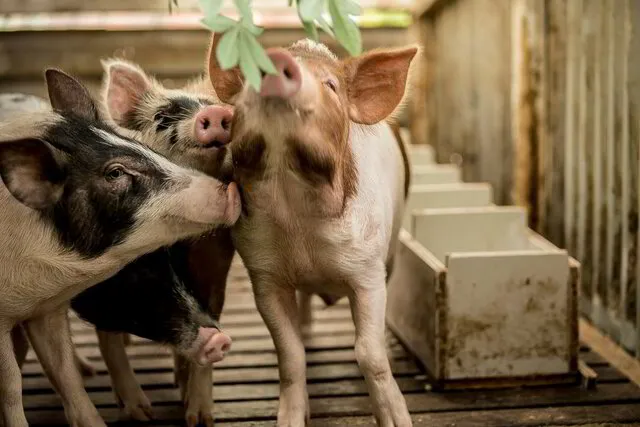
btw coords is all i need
(323, 181)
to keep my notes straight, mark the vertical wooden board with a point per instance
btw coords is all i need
(507, 314)
(610, 297)
(414, 301)
(422, 120)
(446, 78)
(463, 130)
(600, 131)
(491, 95)
(557, 49)
(633, 68)
(630, 135)
(619, 184)
(585, 145)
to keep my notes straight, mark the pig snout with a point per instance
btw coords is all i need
(210, 346)
(288, 79)
(212, 126)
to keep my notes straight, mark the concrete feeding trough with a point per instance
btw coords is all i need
(446, 196)
(483, 301)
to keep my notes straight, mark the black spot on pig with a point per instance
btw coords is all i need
(178, 108)
(310, 163)
(96, 212)
(148, 299)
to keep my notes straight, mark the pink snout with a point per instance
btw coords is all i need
(211, 346)
(287, 81)
(213, 126)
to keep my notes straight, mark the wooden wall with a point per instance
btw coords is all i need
(541, 98)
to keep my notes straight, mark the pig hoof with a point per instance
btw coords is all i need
(194, 420)
(137, 408)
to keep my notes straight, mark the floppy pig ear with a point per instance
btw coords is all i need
(376, 83)
(31, 173)
(68, 95)
(226, 83)
(124, 86)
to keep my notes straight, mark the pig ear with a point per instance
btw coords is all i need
(226, 83)
(31, 172)
(68, 95)
(376, 83)
(124, 86)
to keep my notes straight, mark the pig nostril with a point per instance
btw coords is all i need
(225, 124)
(226, 347)
(287, 73)
(205, 124)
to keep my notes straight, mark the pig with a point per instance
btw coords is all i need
(322, 181)
(80, 201)
(171, 296)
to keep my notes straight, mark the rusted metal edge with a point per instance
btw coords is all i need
(610, 351)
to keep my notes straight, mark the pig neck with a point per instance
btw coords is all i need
(278, 211)
(37, 272)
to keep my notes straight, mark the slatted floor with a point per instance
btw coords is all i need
(246, 382)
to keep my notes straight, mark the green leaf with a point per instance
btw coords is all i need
(346, 31)
(244, 7)
(219, 23)
(228, 49)
(322, 23)
(310, 29)
(210, 7)
(252, 28)
(258, 53)
(248, 67)
(349, 7)
(309, 10)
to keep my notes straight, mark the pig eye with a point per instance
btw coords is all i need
(114, 172)
(331, 84)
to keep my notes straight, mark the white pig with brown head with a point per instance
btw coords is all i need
(323, 184)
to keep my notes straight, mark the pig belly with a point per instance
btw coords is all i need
(147, 299)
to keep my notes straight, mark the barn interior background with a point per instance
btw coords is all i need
(537, 97)
(540, 98)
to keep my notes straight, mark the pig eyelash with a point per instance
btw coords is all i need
(331, 84)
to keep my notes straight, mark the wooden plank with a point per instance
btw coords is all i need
(555, 115)
(610, 351)
(511, 417)
(164, 361)
(326, 372)
(361, 405)
(634, 108)
(227, 393)
(491, 96)
(422, 99)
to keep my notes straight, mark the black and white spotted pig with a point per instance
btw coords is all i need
(171, 295)
(79, 201)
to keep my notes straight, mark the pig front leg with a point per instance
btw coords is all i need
(129, 395)
(304, 308)
(368, 305)
(278, 308)
(198, 396)
(51, 339)
(10, 383)
(20, 344)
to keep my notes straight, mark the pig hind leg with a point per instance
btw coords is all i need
(10, 383)
(20, 344)
(51, 339)
(368, 310)
(132, 400)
